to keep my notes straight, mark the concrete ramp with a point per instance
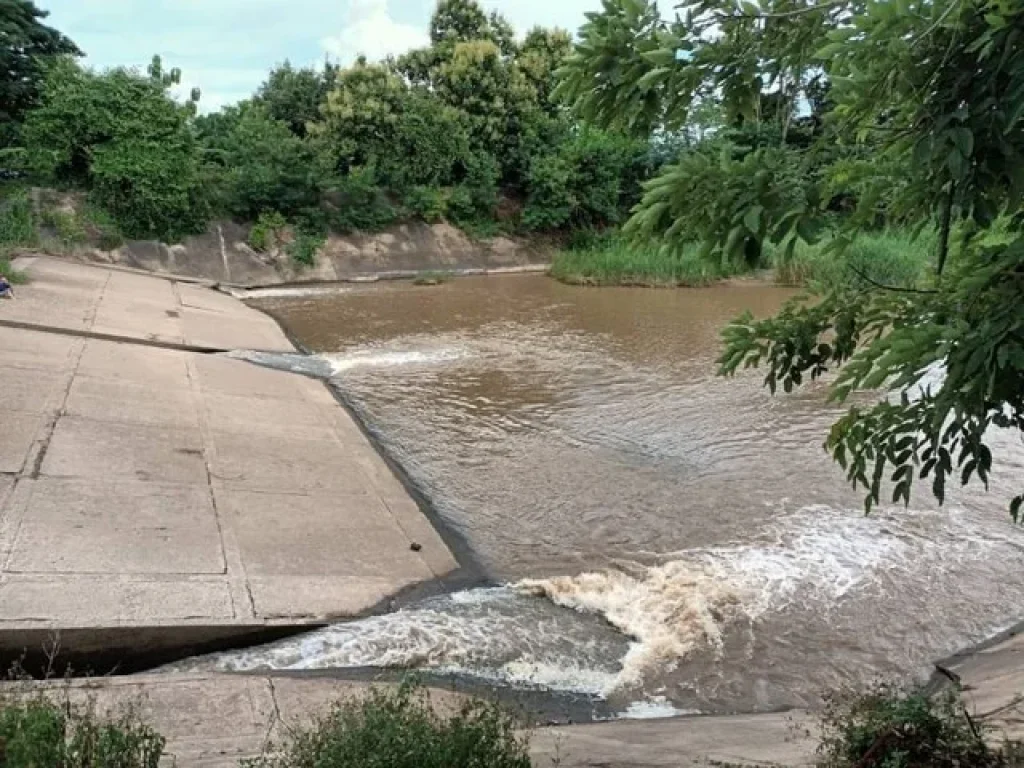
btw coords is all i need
(153, 498)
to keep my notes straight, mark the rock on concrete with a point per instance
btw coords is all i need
(145, 487)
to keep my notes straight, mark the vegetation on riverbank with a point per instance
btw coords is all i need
(616, 261)
(464, 130)
(42, 733)
(883, 727)
(402, 729)
(892, 257)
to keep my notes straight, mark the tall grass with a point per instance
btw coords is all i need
(891, 257)
(616, 262)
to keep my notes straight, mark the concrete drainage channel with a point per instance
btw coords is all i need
(160, 499)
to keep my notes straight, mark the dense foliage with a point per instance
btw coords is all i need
(464, 130)
(401, 729)
(889, 728)
(27, 45)
(916, 116)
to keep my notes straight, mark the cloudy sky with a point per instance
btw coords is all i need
(226, 46)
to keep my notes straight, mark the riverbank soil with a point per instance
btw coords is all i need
(154, 497)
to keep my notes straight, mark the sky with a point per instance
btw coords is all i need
(226, 47)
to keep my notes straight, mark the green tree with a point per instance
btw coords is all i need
(937, 89)
(294, 96)
(27, 47)
(266, 167)
(121, 136)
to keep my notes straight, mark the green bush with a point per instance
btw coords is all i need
(427, 203)
(268, 167)
(120, 135)
(40, 734)
(66, 226)
(267, 231)
(399, 729)
(304, 246)
(356, 202)
(889, 728)
(17, 224)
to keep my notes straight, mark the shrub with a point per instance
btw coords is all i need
(66, 226)
(304, 246)
(122, 136)
(39, 733)
(268, 167)
(17, 224)
(399, 729)
(888, 728)
(357, 202)
(428, 203)
(267, 232)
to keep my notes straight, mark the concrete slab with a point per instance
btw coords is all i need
(128, 403)
(74, 526)
(144, 366)
(238, 331)
(98, 449)
(268, 418)
(18, 435)
(670, 743)
(343, 536)
(27, 349)
(78, 600)
(223, 375)
(196, 297)
(287, 465)
(181, 496)
(29, 389)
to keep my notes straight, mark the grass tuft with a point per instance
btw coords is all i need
(432, 277)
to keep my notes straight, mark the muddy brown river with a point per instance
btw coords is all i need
(657, 538)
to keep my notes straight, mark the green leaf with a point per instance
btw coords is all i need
(963, 140)
(958, 165)
(662, 57)
(752, 218)
(652, 77)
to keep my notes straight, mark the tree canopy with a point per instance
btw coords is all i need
(26, 46)
(920, 105)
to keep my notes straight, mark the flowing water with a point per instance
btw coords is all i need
(664, 540)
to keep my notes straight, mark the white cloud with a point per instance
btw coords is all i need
(369, 30)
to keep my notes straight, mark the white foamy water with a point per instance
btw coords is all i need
(372, 358)
(616, 631)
